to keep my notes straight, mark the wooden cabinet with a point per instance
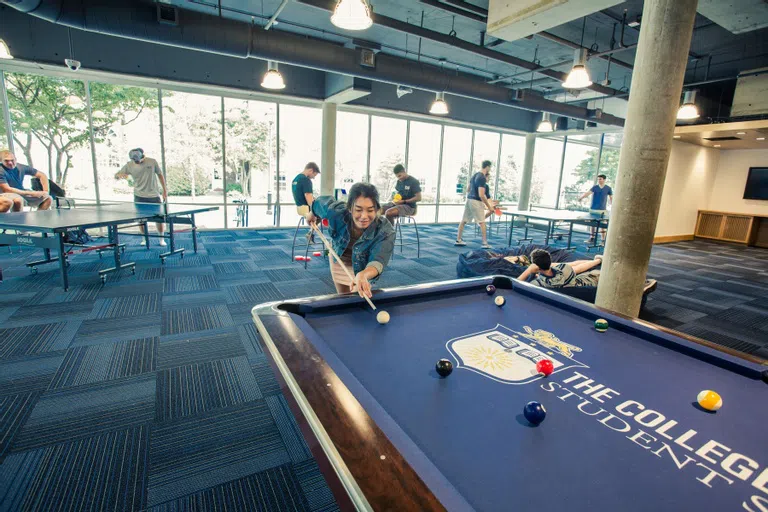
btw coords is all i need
(732, 227)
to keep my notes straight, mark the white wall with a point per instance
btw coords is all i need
(728, 190)
(691, 174)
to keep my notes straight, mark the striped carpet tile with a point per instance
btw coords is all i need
(61, 312)
(315, 489)
(191, 283)
(27, 374)
(189, 260)
(197, 453)
(88, 480)
(273, 490)
(202, 387)
(289, 429)
(249, 337)
(108, 361)
(188, 300)
(234, 267)
(75, 413)
(31, 282)
(6, 313)
(223, 249)
(200, 318)
(34, 339)
(93, 332)
(253, 293)
(195, 348)
(14, 411)
(127, 306)
(268, 254)
(264, 375)
(304, 288)
(150, 274)
(125, 288)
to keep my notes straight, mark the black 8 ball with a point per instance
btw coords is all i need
(444, 367)
(490, 289)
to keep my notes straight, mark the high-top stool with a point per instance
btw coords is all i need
(407, 220)
(308, 246)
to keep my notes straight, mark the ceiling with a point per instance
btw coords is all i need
(740, 135)
(715, 52)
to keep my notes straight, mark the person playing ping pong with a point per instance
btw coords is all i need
(363, 239)
(147, 181)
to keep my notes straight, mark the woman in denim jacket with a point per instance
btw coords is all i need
(363, 240)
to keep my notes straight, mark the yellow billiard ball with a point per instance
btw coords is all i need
(709, 400)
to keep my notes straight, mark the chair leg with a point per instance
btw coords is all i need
(295, 234)
(418, 241)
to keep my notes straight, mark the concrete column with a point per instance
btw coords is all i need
(328, 158)
(525, 179)
(657, 81)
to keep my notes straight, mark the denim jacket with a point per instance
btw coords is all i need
(374, 247)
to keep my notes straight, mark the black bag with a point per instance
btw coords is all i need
(77, 236)
(53, 188)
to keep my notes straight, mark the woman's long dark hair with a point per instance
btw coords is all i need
(363, 190)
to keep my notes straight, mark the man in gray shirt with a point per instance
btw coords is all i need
(147, 178)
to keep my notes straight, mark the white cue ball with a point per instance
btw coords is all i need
(499, 300)
(382, 317)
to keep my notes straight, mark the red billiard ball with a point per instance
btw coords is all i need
(545, 367)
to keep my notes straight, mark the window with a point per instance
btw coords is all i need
(486, 148)
(124, 118)
(423, 164)
(579, 172)
(609, 160)
(510, 169)
(351, 149)
(192, 132)
(3, 130)
(251, 167)
(300, 140)
(457, 145)
(546, 171)
(50, 130)
(387, 150)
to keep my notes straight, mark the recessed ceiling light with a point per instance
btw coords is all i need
(761, 138)
(675, 136)
(717, 145)
(741, 133)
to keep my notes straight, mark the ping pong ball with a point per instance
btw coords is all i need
(382, 317)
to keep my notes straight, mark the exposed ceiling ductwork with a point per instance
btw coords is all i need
(233, 38)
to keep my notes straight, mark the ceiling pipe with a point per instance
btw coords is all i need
(576, 46)
(233, 38)
(273, 19)
(455, 42)
(454, 10)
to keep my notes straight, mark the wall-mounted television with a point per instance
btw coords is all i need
(757, 184)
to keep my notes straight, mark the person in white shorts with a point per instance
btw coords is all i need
(12, 184)
(147, 181)
(477, 202)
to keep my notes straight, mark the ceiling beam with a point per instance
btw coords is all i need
(437, 37)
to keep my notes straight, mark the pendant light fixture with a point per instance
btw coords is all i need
(272, 78)
(578, 78)
(352, 15)
(688, 110)
(439, 106)
(545, 126)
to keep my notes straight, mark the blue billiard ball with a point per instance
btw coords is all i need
(534, 412)
(490, 289)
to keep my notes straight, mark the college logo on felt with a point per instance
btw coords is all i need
(509, 356)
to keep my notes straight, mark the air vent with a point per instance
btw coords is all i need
(718, 139)
(167, 15)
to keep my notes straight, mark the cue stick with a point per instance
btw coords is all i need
(330, 249)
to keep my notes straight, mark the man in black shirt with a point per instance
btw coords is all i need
(302, 186)
(477, 202)
(407, 194)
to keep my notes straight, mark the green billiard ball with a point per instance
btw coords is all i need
(601, 325)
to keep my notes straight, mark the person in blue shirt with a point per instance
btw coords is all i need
(602, 195)
(12, 183)
(302, 185)
(363, 239)
(477, 202)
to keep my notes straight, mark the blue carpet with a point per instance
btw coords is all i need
(154, 388)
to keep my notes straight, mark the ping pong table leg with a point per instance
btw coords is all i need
(114, 240)
(172, 243)
(62, 261)
(194, 230)
(570, 235)
(146, 233)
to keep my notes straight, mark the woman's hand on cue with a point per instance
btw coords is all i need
(310, 218)
(363, 286)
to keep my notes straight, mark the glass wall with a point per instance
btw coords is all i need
(351, 149)
(424, 165)
(579, 172)
(251, 166)
(457, 147)
(609, 160)
(510, 169)
(486, 148)
(387, 150)
(546, 171)
(300, 141)
(50, 129)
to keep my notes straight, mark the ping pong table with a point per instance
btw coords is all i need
(553, 218)
(47, 230)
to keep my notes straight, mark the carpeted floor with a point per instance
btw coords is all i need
(152, 392)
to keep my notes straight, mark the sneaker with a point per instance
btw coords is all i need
(650, 285)
(591, 240)
(598, 257)
(162, 243)
(486, 246)
(143, 241)
(460, 243)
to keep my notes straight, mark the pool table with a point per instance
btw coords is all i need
(623, 429)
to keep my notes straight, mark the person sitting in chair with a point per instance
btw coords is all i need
(12, 184)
